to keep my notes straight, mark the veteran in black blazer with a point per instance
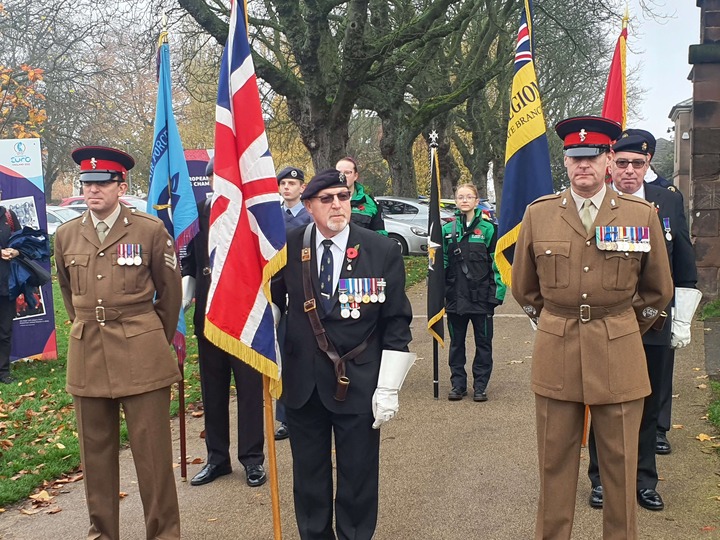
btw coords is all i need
(361, 259)
(629, 165)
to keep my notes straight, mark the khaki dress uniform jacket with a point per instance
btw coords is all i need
(558, 265)
(129, 354)
(123, 318)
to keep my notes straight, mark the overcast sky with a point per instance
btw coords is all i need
(660, 50)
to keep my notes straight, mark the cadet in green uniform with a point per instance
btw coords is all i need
(365, 210)
(472, 290)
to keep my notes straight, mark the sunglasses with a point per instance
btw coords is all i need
(328, 199)
(636, 163)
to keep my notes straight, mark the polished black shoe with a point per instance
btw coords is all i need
(456, 394)
(209, 473)
(662, 445)
(596, 497)
(7, 379)
(255, 475)
(480, 395)
(650, 499)
(282, 432)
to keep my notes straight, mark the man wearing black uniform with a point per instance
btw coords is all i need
(628, 167)
(216, 366)
(345, 287)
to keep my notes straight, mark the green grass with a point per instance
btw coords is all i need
(714, 410)
(38, 434)
(710, 310)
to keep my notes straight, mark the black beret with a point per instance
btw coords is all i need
(100, 163)
(210, 168)
(586, 136)
(292, 172)
(330, 178)
(652, 143)
(632, 143)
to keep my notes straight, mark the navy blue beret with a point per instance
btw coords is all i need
(632, 143)
(652, 143)
(291, 172)
(330, 178)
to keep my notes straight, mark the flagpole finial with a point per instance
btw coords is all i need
(433, 139)
(626, 17)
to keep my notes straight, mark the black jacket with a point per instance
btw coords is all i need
(197, 264)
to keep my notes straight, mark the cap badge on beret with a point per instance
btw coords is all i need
(93, 163)
(583, 134)
(644, 146)
(342, 178)
(293, 173)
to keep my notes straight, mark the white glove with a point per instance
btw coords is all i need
(188, 291)
(394, 366)
(686, 302)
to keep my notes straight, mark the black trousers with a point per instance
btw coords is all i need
(216, 366)
(664, 420)
(357, 456)
(7, 314)
(647, 477)
(482, 362)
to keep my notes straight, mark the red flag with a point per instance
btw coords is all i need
(615, 104)
(247, 229)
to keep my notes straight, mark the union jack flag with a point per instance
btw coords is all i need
(247, 229)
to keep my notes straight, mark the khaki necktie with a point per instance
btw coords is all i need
(102, 230)
(586, 216)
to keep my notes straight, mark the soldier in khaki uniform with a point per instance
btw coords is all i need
(592, 292)
(120, 282)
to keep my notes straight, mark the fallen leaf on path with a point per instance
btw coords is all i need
(197, 461)
(696, 369)
(197, 414)
(708, 528)
(43, 496)
(29, 512)
(123, 494)
(515, 362)
(54, 510)
(702, 376)
(702, 386)
(212, 519)
(702, 437)
(678, 426)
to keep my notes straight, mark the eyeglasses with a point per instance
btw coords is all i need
(636, 163)
(466, 198)
(328, 199)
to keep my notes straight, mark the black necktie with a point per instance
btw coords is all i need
(288, 212)
(326, 275)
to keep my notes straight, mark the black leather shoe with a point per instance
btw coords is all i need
(650, 499)
(209, 473)
(596, 497)
(7, 379)
(255, 475)
(662, 445)
(456, 394)
(480, 395)
(282, 432)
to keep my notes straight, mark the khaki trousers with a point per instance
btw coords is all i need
(559, 433)
(148, 421)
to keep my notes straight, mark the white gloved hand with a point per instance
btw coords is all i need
(276, 314)
(394, 366)
(686, 302)
(188, 291)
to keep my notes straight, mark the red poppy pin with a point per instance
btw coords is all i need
(476, 231)
(351, 253)
(361, 207)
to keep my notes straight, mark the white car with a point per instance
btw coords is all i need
(57, 215)
(409, 210)
(413, 240)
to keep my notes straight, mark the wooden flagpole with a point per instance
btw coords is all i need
(272, 458)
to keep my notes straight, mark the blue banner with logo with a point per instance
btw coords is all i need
(22, 191)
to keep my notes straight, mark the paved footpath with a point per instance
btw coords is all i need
(449, 470)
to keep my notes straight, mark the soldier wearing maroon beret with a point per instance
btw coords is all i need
(120, 282)
(591, 270)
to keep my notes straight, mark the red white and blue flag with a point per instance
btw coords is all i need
(247, 229)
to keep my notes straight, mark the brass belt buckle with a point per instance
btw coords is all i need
(309, 305)
(585, 313)
(100, 314)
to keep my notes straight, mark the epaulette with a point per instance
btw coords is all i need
(549, 197)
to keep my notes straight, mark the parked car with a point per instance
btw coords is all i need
(412, 211)
(413, 240)
(57, 215)
(128, 200)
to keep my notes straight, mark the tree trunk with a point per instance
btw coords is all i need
(396, 147)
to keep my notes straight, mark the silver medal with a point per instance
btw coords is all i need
(343, 298)
(345, 313)
(668, 236)
(355, 313)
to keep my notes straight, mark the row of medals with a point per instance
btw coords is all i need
(618, 239)
(129, 254)
(356, 291)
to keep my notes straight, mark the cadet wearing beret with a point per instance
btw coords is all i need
(216, 368)
(592, 300)
(291, 183)
(120, 282)
(628, 167)
(356, 306)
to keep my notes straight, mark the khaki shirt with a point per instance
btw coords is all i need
(123, 316)
(557, 263)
